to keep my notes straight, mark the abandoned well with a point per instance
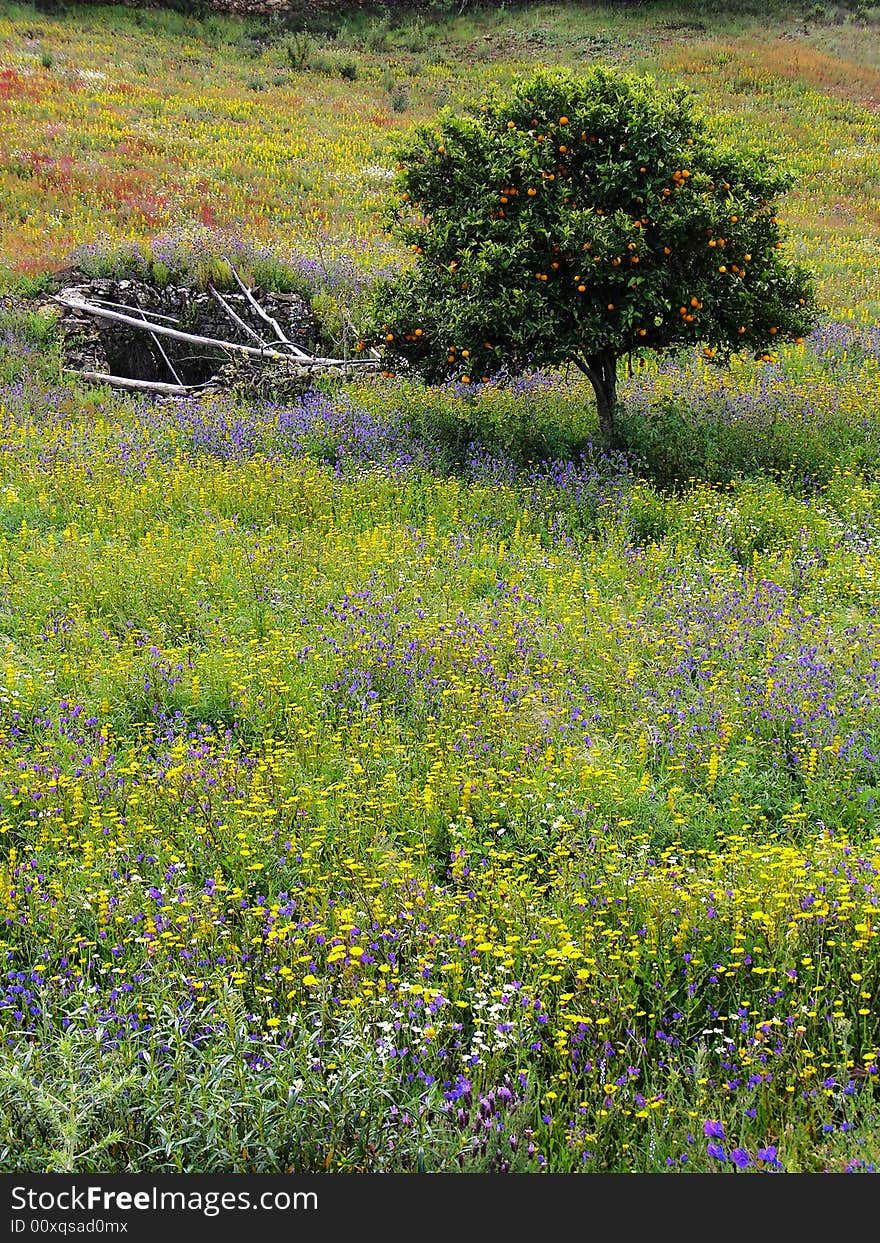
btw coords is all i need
(108, 345)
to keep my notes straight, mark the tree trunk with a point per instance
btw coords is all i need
(601, 370)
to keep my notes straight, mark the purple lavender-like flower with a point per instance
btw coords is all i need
(768, 1156)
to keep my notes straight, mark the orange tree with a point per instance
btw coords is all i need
(580, 219)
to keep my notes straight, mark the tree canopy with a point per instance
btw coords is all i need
(581, 218)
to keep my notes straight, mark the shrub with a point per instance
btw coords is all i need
(399, 97)
(298, 49)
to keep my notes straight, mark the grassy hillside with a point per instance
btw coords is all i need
(128, 122)
(390, 780)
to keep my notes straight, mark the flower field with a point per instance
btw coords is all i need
(390, 780)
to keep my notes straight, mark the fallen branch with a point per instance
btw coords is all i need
(149, 386)
(234, 316)
(264, 315)
(161, 348)
(123, 306)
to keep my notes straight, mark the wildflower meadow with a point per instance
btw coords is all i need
(391, 778)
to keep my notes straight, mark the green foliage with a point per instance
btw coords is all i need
(28, 343)
(375, 38)
(74, 1105)
(399, 98)
(24, 284)
(196, 258)
(579, 218)
(298, 49)
(342, 66)
(62, 1105)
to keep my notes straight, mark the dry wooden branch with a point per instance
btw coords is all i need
(263, 314)
(161, 348)
(236, 318)
(124, 306)
(148, 386)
